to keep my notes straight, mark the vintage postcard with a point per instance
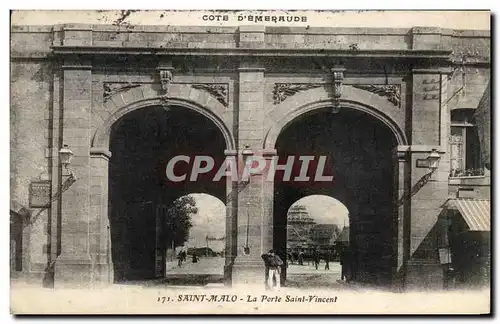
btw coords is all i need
(250, 162)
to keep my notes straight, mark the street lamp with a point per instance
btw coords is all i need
(247, 247)
(246, 153)
(65, 156)
(433, 160)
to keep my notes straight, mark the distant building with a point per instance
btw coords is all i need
(343, 237)
(324, 235)
(299, 225)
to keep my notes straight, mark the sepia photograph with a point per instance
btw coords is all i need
(250, 162)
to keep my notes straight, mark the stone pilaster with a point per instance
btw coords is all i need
(73, 266)
(268, 203)
(248, 265)
(425, 38)
(99, 228)
(428, 195)
(426, 107)
(401, 241)
(231, 221)
(252, 36)
(430, 129)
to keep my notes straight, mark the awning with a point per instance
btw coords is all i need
(475, 212)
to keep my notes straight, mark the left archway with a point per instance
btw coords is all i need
(101, 138)
(131, 151)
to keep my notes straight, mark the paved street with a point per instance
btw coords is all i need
(210, 269)
(205, 265)
(335, 268)
(306, 276)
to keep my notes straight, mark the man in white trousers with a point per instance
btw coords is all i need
(274, 264)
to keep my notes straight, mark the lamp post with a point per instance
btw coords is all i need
(433, 160)
(246, 153)
(65, 156)
(247, 248)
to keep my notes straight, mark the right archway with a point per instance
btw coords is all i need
(359, 152)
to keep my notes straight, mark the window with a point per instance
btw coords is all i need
(464, 145)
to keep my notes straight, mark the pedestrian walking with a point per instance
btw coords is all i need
(180, 258)
(265, 258)
(273, 263)
(327, 260)
(316, 259)
(301, 258)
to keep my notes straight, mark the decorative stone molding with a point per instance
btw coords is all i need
(338, 79)
(166, 78)
(391, 91)
(111, 89)
(402, 156)
(219, 91)
(99, 152)
(284, 90)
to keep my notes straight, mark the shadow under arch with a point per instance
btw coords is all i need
(276, 129)
(287, 196)
(102, 135)
(142, 142)
(360, 148)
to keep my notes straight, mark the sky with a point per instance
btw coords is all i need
(210, 220)
(211, 217)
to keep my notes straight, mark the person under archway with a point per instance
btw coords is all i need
(327, 260)
(273, 265)
(345, 262)
(316, 257)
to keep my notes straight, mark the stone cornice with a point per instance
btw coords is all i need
(100, 152)
(483, 33)
(243, 52)
(419, 148)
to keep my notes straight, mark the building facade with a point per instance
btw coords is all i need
(388, 96)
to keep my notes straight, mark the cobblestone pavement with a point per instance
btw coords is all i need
(307, 276)
(205, 265)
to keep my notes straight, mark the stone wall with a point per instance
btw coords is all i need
(31, 94)
(36, 40)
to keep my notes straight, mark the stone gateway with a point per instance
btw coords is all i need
(127, 99)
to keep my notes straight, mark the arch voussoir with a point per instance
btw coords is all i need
(102, 135)
(319, 98)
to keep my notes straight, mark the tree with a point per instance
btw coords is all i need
(179, 220)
